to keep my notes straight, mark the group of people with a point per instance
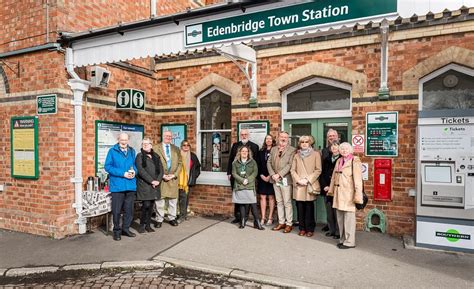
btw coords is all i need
(163, 177)
(157, 177)
(283, 173)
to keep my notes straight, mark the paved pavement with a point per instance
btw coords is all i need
(217, 246)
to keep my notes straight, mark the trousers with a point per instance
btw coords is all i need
(122, 200)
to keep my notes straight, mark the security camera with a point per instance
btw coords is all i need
(100, 77)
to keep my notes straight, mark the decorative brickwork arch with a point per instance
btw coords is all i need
(4, 87)
(317, 69)
(232, 88)
(453, 54)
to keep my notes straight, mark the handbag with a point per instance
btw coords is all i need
(365, 198)
(309, 187)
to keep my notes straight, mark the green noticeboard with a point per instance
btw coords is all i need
(382, 134)
(24, 147)
(46, 104)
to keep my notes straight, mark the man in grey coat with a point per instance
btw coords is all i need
(279, 165)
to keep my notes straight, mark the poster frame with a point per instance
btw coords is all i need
(35, 128)
(96, 128)
(179, 125)
(267, 122)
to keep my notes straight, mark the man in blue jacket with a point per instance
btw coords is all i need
(120, 164)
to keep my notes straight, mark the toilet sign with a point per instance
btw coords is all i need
(130, 99)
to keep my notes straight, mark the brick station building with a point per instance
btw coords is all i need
(306, 82)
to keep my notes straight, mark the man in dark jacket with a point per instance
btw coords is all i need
(244, 141)
(331, 137)
(120, 165)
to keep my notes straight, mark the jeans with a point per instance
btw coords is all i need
(122, 200)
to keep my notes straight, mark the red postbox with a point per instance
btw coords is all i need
(383, 180)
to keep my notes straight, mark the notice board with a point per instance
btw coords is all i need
(24, 147)
(106, 134)
(382, 134)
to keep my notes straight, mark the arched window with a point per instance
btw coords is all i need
(451, 87)
(317, 97)
(214, 135)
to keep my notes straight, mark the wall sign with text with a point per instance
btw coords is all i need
(381, 133)
(285, 19)
(24, 147)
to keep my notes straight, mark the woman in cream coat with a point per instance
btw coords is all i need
(305, 172)
(346, 187)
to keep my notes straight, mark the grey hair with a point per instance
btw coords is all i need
(346, 145)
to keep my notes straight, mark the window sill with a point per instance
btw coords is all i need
(213, 178)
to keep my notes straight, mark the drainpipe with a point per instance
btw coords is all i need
(47, 21)
(78, 87)
(384, 91)
(152, 8)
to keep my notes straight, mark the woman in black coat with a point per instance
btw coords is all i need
(325, 180)
(265, 188)
(149, 175)
(187, 178)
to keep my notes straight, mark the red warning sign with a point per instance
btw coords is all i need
(358, 142)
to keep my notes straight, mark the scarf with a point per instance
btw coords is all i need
(184, 174)
(343, 161)
(306, 152)
(154, 158)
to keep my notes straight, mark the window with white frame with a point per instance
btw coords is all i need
(451, 87)
(326, 97)
(214, 130)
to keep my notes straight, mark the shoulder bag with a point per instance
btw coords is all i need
(365, 198)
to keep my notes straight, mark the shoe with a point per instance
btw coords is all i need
(302, 233)
(243, 222)
(309, 234)
(342, 246)
(158, 224)
(288, 229)
(235, 221)
(269, 222)
(149, 229)
(180, 220)
(329, 234)
(258, 225)
(117, 237)
(141, 230)
(128, 234)
(173, 223)
(325, 228)
(279, 227)
(336, 237)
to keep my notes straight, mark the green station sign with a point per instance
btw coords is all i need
(285, 19)
(46, 104)
(382, 134)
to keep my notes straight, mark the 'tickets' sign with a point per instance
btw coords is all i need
(289, 18)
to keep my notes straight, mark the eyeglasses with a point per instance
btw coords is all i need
(304, 141)
(185, 145)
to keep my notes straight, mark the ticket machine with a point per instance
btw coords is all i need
(445, 183)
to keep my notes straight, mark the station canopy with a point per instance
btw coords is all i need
(234, 23)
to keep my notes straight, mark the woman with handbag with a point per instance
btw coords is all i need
(244, 172)
(305, 172)
(346, 187)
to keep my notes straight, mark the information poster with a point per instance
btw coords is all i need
(179, 132)
(106, 135)
(24, 147)
(258, 129)
(382, 134)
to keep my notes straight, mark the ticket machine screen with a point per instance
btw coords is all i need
(438, 174)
